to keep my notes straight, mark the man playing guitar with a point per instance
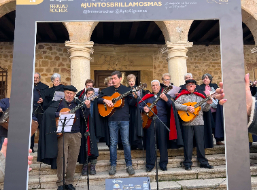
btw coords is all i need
(72, 140)
(195, 127)
(119, 120)
(162, 134)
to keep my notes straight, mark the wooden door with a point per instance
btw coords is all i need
(100, 75)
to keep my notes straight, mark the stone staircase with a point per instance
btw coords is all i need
(43, 177)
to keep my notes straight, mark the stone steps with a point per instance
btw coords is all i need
(196, 184)
(173, 174)
(175, 178)
(138, 163)
(105, 154)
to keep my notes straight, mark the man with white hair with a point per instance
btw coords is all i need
(39, 96)
(163, 106)
(188, 76)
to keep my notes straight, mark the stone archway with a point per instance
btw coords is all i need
(7, 6)
(251, 23)
(81, 31)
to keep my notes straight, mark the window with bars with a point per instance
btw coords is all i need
(3, 82)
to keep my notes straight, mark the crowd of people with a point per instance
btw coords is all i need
(123, 128)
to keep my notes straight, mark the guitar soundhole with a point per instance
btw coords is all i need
(187, 113)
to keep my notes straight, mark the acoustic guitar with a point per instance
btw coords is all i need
(147, 117)
(117, 100)
(187, 116)
(73, 110)
(4, 121)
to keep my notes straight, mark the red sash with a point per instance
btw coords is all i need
(185, 92)
(173, 129)
(88, 138)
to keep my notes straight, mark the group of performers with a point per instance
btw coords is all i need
(123, 126)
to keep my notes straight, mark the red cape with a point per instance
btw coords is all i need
(173, 129)
(184, 92)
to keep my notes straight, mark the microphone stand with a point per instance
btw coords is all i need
(154, 120)
(86, 134)
(63, 155)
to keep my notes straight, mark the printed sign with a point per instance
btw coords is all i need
(142, 183)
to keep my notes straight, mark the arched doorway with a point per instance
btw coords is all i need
(131, 47)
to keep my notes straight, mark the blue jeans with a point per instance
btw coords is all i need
(114, 127)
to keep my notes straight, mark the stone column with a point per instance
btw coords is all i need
(177, 60)
(80, 62)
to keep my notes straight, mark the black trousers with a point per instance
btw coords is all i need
(213, 129)
(162, 139)
(189, 132)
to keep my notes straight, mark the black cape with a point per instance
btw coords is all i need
(82, 158)
(39, 92)
(217, 125)
(49, 94)
(48, 142)
(81, 94)
(41, 88)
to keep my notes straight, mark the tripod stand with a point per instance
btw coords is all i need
(154, 125)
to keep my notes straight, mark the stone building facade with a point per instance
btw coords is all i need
(148, 59)
(77, 59)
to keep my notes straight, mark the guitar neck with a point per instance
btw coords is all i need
(158, 98)
(73, 110)
(155, 102)
(120, 97)
(201, 102)
(204, 100)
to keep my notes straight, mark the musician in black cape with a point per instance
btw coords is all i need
(215, 111)
(135, 123)
(167, 114)
(92, 140)
(39, 95)
(195, 128)
(118, 121)
(50, 147)
(49, 93)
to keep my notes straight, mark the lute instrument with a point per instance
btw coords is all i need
(73, 110)
(4, 121)
(117, 100)
(148, 117)
(187, 116)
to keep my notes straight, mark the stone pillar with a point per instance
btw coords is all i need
(80, 62)
(177, 61)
